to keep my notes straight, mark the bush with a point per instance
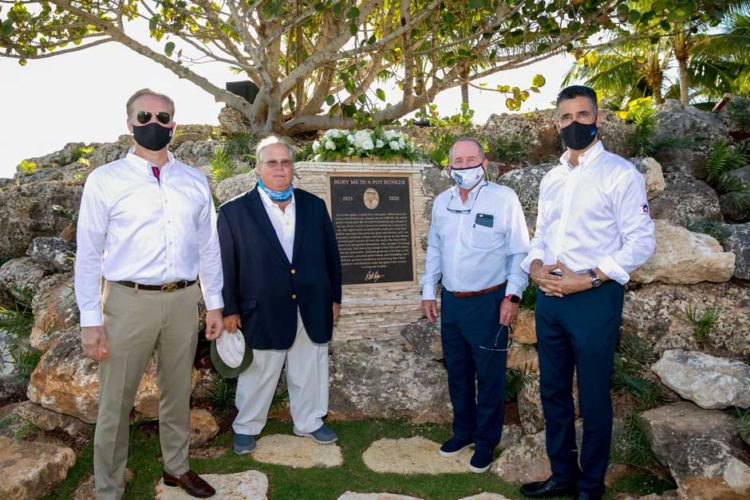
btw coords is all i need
(738, 114)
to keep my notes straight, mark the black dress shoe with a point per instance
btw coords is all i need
(191, 482)
(550, 488)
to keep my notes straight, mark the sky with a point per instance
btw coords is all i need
(80, 97)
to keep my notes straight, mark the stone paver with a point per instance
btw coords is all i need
(414, 455)
(248, 485)
(350, 495)
(486, 496)
(297, 452)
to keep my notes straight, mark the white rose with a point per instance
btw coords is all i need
(394, 145)
(368, 145)
(350, 138)
(379, 144)
(330, 145)
(316, 145)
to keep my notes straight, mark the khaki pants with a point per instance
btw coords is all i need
(139, 323)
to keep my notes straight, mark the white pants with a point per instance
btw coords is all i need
(306, 379)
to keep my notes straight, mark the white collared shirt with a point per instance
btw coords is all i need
(594, 215)
(133, 227)
(283, 221)
(480, 247)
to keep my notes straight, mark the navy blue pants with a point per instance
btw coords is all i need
(578, 332)
(474, 350)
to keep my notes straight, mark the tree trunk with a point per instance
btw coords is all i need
(684, 80)
(465, 87)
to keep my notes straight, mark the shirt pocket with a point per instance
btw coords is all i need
(485, 238)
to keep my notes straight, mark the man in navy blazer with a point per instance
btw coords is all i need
(282, 287)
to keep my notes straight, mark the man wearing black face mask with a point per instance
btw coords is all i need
(593, 229)
(147, 225)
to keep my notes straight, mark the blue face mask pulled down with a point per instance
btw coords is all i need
(277, 196)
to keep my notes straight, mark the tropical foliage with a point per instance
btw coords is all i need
(321, 64)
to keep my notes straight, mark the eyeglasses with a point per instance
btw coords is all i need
(463, 210)
(143, 117)
(495, 346)
(275, 163)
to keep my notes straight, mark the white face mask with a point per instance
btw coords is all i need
(467, 178)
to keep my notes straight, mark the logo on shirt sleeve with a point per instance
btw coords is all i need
(644, 209)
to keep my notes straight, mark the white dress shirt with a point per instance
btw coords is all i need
(283, 221)
(472, 256)
(594, 215)
(133, 227)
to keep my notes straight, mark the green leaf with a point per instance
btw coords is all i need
(153, 22)
(476, 4)
(353, 28)
(362, 98)
(22, 62)
(352, 13)
(380, 93)
(330, 100)
(634, 16)
(538, 80)
(320, 6)
(169, 48)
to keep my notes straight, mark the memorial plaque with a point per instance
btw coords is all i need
(372, 219)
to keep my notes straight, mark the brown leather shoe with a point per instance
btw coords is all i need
(191, 483)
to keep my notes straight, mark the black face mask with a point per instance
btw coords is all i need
(578, 135)
(152, 136)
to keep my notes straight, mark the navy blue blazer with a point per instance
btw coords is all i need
(263, 287)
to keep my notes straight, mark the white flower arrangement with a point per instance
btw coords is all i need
(338, 144)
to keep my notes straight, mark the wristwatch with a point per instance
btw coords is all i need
(515, 299)
(595, 280)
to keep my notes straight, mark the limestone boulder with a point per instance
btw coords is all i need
(738, 242)
(109, 152)
(66, 381)
(684, 258)
(87, 489)
(686, 200)
(535, 132)
(675, 120)
(30, 469)
(708, 381)
(525, 182)
(382, 379)
(247, 485)
(203, 427)
(12, 389)
(70, 153)
(735, 206)
(686, 161)
(235, 186)
(53, 254)
(55, 310)
(525, 462)
(530, 406)
(524, 358)
(652, 173)
(686, 438)
(657, 314)
(524, 329)
(28, 213)
(424, 338)
(52, 421)
(233, 122)
(197, 154)
(20, 278)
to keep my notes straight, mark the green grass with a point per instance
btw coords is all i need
(317, 483)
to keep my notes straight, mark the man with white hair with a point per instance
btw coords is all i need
(282, 287)
(477, 240)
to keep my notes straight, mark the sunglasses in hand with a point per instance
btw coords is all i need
(143, 117)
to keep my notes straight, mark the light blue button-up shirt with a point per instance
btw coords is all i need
(477, 244)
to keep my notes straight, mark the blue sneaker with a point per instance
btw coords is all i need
(243, 443)
(323, 435)
(454, 446)
(480, 461)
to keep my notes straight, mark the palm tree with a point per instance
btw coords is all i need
(712, 61)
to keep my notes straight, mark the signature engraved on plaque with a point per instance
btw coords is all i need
(373, 276)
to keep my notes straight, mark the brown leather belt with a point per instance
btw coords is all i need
(166, 287)
(464, 295)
